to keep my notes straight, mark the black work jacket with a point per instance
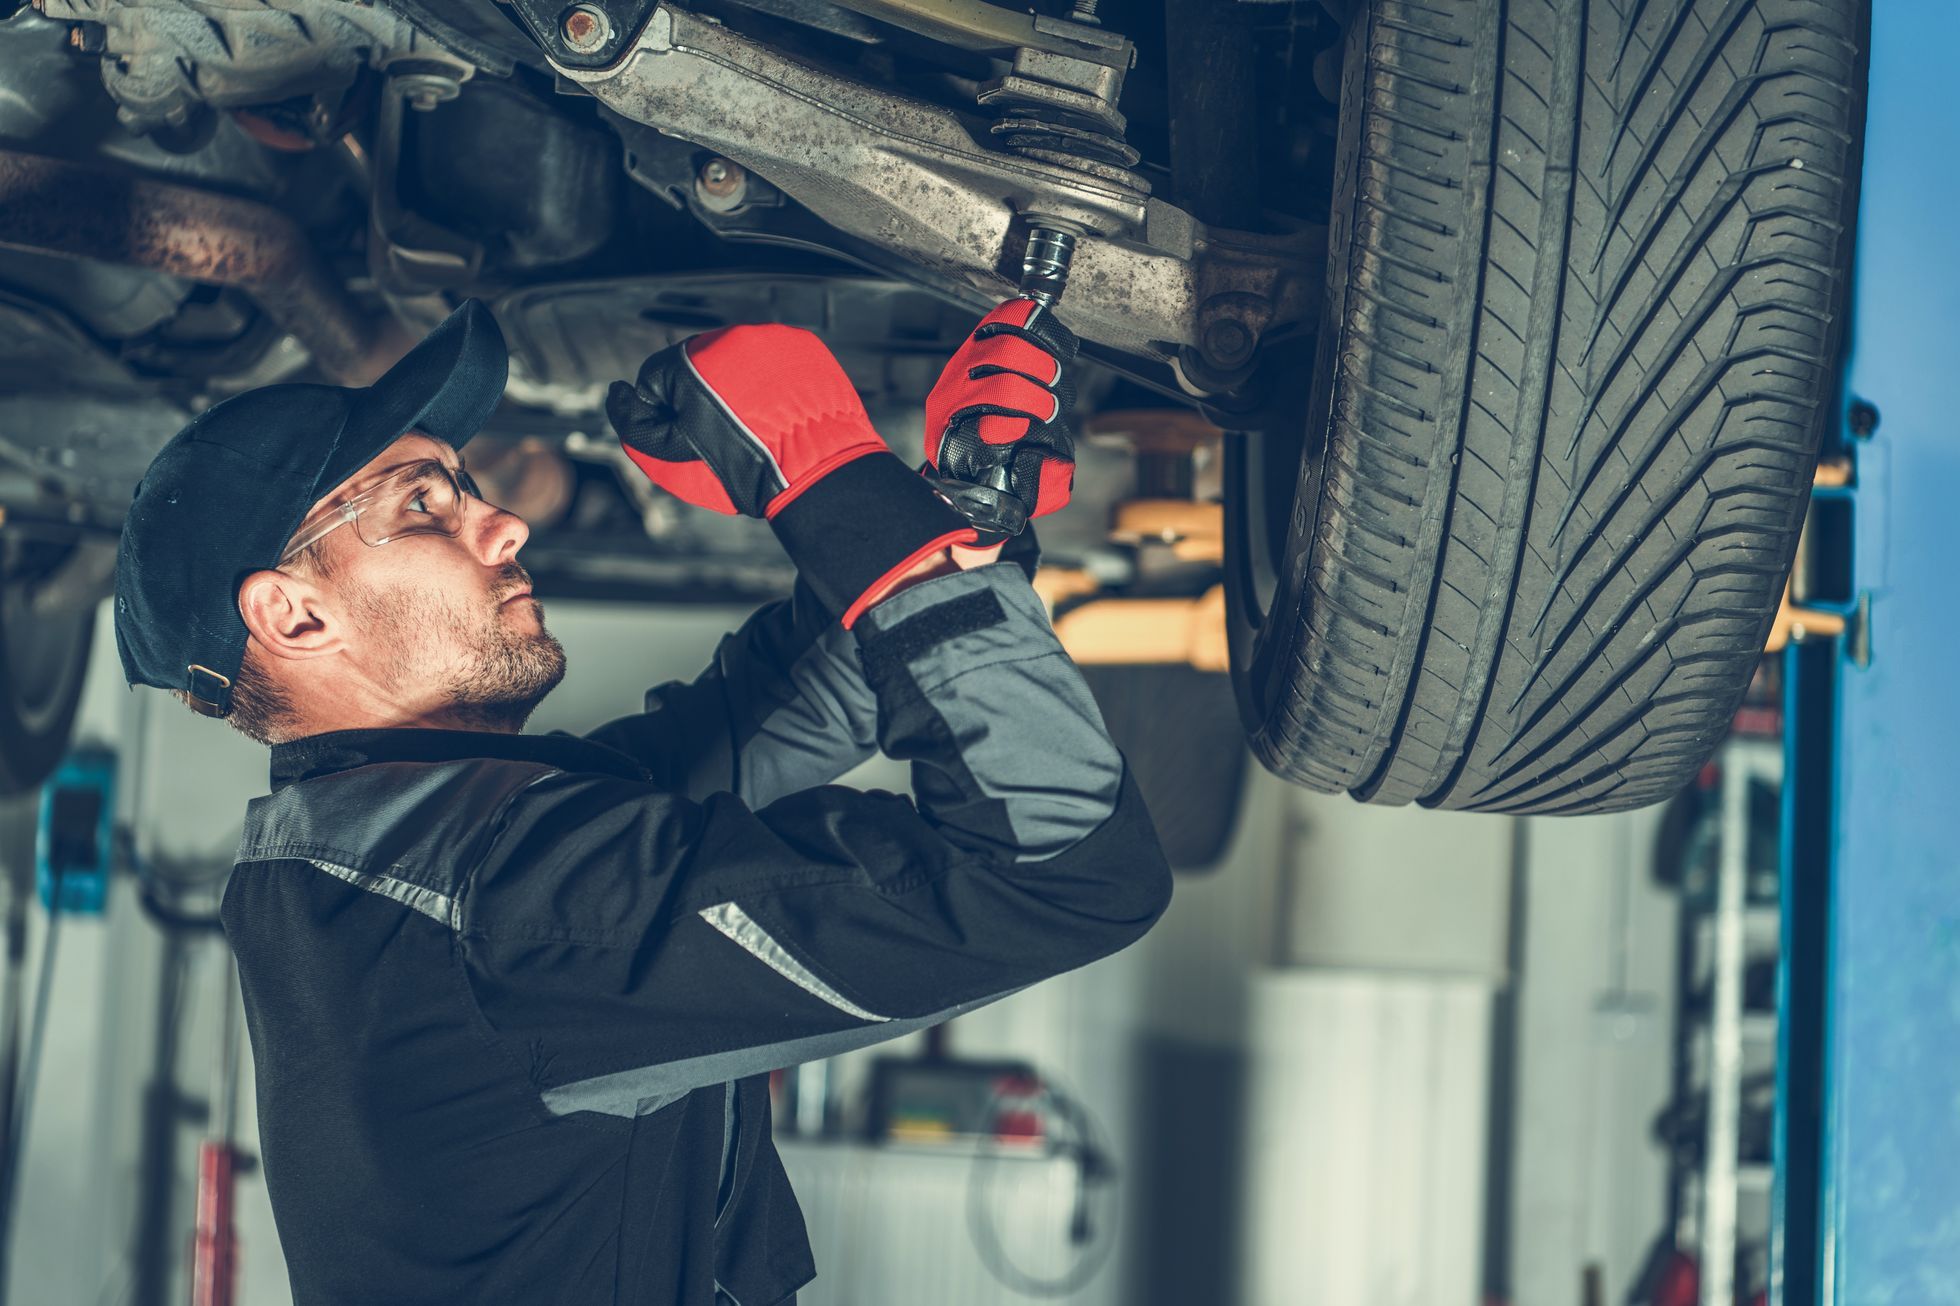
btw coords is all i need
(513, 999)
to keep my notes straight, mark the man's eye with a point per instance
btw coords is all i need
(418, 502)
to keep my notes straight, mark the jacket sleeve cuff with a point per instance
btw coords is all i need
(864, 524)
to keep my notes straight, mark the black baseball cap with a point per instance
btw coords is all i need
(221, 499)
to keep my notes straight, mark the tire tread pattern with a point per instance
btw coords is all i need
(1592, 297)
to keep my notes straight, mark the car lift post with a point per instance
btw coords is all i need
(1867, 1188)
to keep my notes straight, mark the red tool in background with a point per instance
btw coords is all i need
(214, 1258)
(214, 1248)
(1677, 1282)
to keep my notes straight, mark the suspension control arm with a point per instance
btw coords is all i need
(912, 177)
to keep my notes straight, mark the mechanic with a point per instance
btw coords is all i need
(513, 998)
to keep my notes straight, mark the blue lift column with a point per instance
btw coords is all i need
(1869, 1128)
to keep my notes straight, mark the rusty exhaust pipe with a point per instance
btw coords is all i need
(75, 210)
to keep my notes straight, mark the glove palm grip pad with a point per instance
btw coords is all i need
(998, 441)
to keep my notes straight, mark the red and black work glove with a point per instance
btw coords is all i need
(998, 442)
(761, 420)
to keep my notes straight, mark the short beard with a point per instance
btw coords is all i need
(506, 673)
(512, 675)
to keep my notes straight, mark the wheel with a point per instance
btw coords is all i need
(43, 662)
(1587, 278)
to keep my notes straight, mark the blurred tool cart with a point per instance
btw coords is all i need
(1719, 847)
(984, 1180)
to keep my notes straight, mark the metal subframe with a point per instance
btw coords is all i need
(1867, 1131)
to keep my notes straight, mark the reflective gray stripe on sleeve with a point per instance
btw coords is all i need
(646, 1089)
(732, 921)
(625, 1094)
(438, 907)
(725, 1186)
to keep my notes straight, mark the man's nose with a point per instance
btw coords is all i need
(499, 533)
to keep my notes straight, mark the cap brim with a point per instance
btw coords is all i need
(447, 386)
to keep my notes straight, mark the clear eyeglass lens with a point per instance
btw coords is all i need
(425, 500)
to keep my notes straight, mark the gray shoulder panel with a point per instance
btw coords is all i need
(414, 827)
(827, 724)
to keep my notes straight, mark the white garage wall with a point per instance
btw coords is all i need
(1594, 1051)
(1371, 1057)
(1366, 1162)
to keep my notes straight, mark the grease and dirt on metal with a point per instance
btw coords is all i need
(1143, 270)
(749, 76)
(1228, 342)
(586, 28)
(426, 83)
(722, 178)
(56, 207)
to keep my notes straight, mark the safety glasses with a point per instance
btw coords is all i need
(424, 498)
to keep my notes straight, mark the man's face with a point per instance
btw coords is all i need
(446, 623)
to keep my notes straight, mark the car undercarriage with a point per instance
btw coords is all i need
(1459, 307)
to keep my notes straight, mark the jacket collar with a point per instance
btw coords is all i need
(343, 750)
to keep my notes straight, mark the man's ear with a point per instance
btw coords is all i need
(286, 615)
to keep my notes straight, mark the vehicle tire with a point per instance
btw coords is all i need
(1587, 276)
(43, 663)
